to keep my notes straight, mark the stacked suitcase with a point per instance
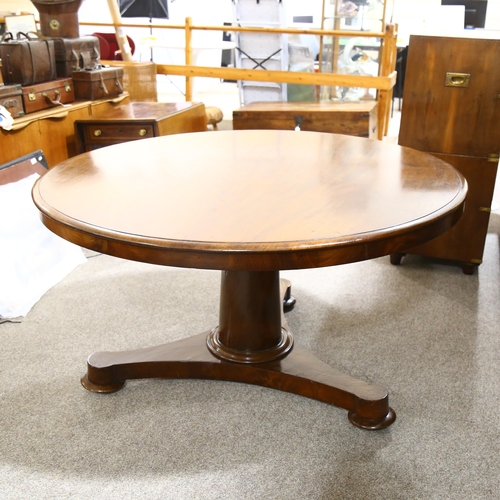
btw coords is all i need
(43, 71)
(11, 99)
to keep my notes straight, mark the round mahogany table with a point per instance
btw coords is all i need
(250, 203)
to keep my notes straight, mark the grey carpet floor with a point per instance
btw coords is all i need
(424, 330)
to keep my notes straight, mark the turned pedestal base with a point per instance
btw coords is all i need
(252, 344)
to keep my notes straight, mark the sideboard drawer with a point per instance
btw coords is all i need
(117, 131)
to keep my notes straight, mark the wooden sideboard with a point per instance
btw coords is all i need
(51, 130)
(451, 109)
(139, 120)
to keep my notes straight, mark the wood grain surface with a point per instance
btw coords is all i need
(251, 199)
(451, 120)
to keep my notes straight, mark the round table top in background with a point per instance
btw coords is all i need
(251, 199)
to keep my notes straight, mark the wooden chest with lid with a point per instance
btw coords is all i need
(348, 118)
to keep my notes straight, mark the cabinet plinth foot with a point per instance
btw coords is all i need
(396, 258)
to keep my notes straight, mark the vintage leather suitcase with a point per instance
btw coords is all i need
(27, 60)
(73, 54)
(98, 83)
(349, 118)
(48, 94)
(11, 99)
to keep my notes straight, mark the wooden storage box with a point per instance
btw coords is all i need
(348, 118)
(11, 99)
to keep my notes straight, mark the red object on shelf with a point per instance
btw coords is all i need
(109, 48)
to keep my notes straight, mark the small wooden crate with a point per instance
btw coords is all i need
(348, 118)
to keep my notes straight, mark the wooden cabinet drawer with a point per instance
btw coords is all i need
(117, 132)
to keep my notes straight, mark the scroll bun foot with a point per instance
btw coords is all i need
(104, 389)
(372, 424)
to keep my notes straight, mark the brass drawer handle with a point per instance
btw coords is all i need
(457, 79)
(97, 132)
(143, 132)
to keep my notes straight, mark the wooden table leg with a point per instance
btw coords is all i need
(252, 344)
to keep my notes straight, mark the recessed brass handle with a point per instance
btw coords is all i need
(457, 79)
(143, 132)
(97, 132)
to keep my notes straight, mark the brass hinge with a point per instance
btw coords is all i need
(476, 261)
(484, 209)
(494, 157)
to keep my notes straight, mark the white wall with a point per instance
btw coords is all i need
(212, 12)
(493, 15)
(17, 6)
(410, 15)
(407, 13)
(414, 16)
(206, 11)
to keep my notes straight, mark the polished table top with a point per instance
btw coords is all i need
(250, 203)
(250, 199)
